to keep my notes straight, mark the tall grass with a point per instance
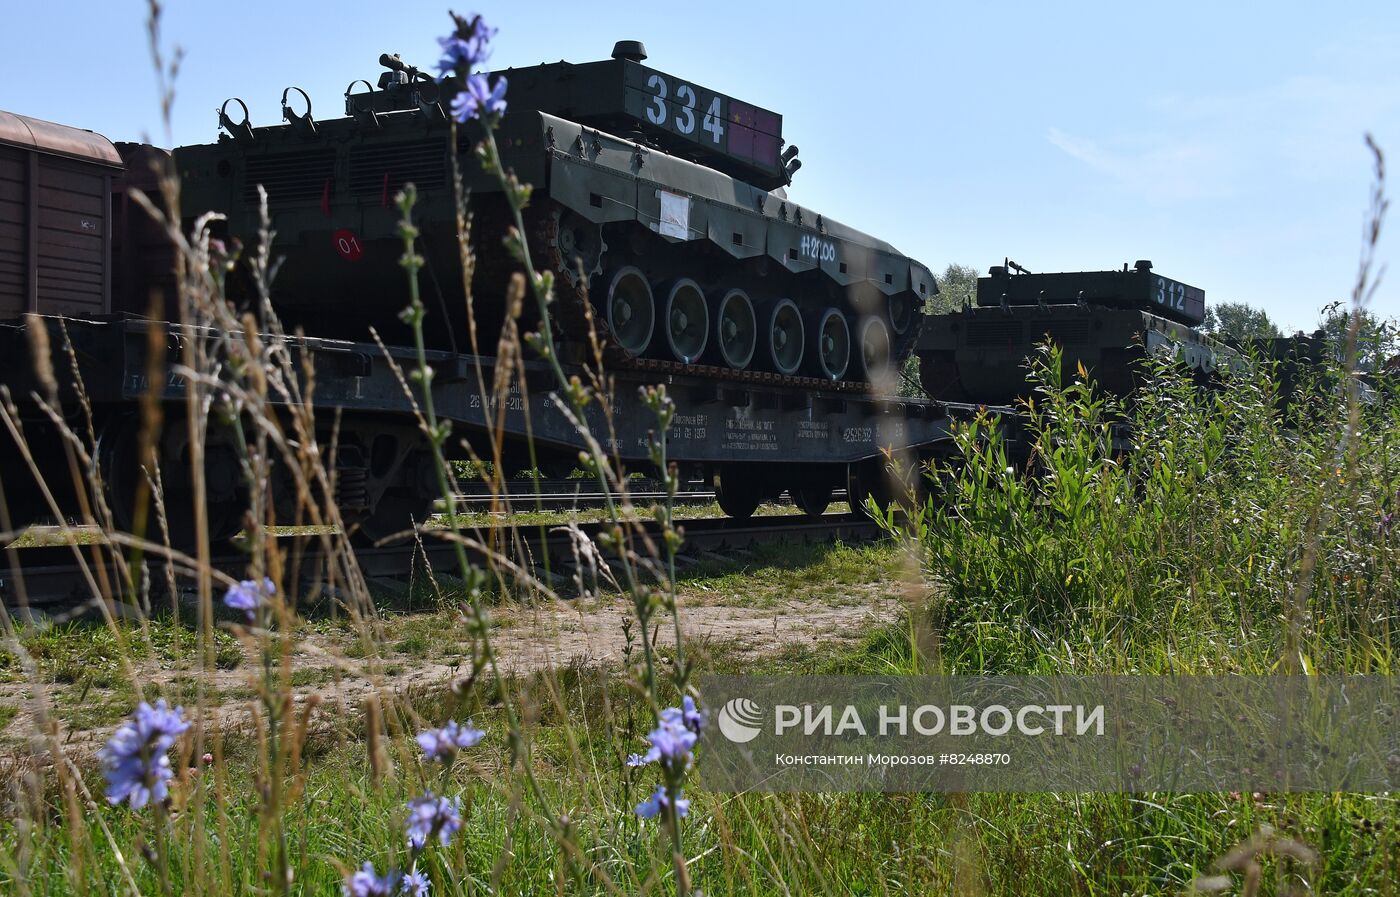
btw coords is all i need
(1172, 535)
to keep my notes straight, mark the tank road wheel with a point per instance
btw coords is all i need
(686, 320)
(630, 310)
(902, 313)
(832, 338)
(785, 337)
(736, 329)
(812, 499)
(875, 349)
(737, 491)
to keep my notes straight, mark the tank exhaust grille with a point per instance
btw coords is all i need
(291, 177)
(383, 169)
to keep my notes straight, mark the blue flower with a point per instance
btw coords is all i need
(135, 760)
(465, 48)
(366, 883)
(429, 816)
(660, 801)
(249, 595)
(479, 98)
(415, 884)
(443, 744)
(673, 738)
(693, 717)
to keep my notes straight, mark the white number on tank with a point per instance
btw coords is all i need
(712, 121)
(814, 248)
(1171, 294)
(685, 122)
(656, 113)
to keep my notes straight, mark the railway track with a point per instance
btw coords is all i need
(45, 581)
(557, 494)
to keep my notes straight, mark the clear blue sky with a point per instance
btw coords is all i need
(1221, 140)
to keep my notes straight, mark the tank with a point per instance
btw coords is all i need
(660, 202)
(1106, 321)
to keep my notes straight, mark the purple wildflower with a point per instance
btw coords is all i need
(366, 883)
(443, 744)
(249, 595)
(637, 760)
(135, 759)
(693, 717)
(479, 98)
(429, 816)
(465, 48)
(415, 884)
(672, 740)
(660, 801)
(463, 54)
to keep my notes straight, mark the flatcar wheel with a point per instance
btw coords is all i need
(122, 474)
(866, 481)
(812, 500)
(396, 513)
(737, 491)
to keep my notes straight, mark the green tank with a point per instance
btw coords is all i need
(1106, 321)
(660, 202)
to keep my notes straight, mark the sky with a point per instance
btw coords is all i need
(1223, 141)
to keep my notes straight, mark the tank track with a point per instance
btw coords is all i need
(573, 311)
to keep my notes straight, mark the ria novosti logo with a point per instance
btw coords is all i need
(740, 720)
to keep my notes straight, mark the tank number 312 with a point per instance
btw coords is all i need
(659, 111)
(1171, 294)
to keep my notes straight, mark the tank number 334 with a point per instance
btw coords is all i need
(684, 104)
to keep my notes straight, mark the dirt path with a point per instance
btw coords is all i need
(419, 651)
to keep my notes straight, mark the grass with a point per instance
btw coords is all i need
(774, 574)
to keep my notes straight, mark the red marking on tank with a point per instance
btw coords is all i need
(347, 244)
